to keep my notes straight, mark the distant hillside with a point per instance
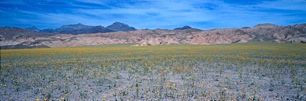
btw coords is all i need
(14, 33)
(22, 38)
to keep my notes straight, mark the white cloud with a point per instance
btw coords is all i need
(168, 13)
(285, 5)
(165, 12)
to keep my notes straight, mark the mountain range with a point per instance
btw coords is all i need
(120, 33)
(82, 29)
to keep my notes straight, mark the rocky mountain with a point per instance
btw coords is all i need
(293, 34)
(118, 26)
(262, 32)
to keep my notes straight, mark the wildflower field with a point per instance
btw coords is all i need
(251, 71)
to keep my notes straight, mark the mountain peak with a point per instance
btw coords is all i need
(265, 25)
(186, 27)
(119, 23)
(118, 26)
(183, 28)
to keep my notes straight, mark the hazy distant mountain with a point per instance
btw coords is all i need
(81, 29)
(33, 28)
(118, 26)
(78, 29)
(182, 28)
(48, 30)
(186, 28)
(99, 29)
(12, 37)
(73, 28)
(85, 29)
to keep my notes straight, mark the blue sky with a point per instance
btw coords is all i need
(141, 14)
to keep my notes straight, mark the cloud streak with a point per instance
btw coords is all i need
(204, 14)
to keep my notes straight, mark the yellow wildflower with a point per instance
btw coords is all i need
(156, 92)
(224, 88)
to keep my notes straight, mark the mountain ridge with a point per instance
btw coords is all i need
(80, 28)
(184, 35)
